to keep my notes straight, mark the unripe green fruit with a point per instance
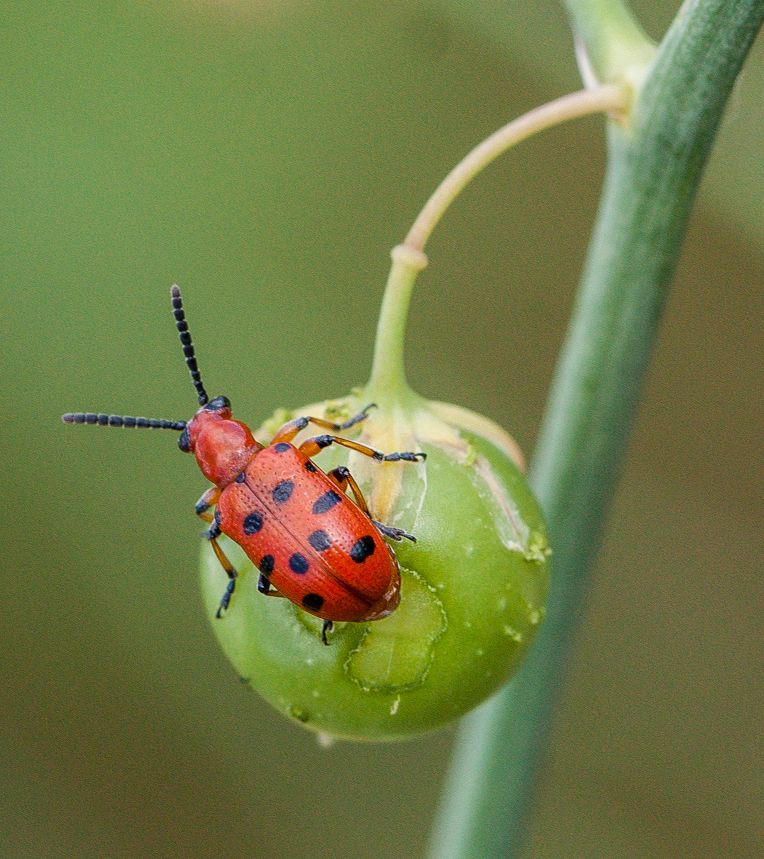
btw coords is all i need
(473, 587)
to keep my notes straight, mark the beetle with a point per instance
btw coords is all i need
(311, 542)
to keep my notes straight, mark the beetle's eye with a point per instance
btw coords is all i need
(218, 404)
(184, 442)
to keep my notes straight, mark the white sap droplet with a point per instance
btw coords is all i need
(394, 706)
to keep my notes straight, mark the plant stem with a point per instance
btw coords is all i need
(388, 377)
(652, 176)
(388, 372)
(613, 39)
(571, 106)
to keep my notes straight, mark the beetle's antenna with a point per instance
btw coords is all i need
(188, 346)
(121, 421)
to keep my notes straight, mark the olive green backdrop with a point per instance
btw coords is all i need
(266, 155)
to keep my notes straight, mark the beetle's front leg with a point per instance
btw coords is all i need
(212, 534)
(290, 429)
(202, 508)
(208, 499)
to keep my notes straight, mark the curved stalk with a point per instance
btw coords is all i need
(388, 377)
(652, 176)
(572, 106)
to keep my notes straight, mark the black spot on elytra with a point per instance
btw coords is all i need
(282, 491)
(320, 540)
(310, 467)
(362, 549)
(313, 601)
(298, 563)
(253, 522)
(326, 502)
(281, 447)
(241, 477)
(266, 565)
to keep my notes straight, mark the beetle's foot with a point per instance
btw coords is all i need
(394, 533)
(400, 456)
(327, 627)
(225, 599)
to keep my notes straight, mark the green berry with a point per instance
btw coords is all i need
(473, 587)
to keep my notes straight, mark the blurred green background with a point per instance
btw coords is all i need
(266, 155)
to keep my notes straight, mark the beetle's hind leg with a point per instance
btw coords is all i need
(266, 588)
(343, 478)
(396, 534)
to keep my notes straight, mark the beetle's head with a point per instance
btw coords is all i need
(222, 446)
(211, 413)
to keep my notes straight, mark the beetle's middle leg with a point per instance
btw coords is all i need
(343, 478)
(311, 446)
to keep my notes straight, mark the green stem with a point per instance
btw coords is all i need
(613, 40)
(388, 376)
(652, 176)
(388, 372)
(572, 106)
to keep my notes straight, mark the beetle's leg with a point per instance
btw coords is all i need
(310, 447)
(290, 430)
(265, 587)
(327, 627)
(343, 478)
(350, 422)
(393, 533)
(208, 499)
(212, 534)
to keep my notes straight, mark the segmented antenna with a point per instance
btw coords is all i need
(121, 421)
(188, 346)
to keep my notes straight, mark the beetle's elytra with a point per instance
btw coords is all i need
(311, 543)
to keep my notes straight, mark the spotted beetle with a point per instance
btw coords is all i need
(311, 543)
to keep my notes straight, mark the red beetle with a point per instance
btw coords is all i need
(309, 540)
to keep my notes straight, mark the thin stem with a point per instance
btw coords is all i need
(388, 373)
(388, 376)
(572, 106)
(653, 174)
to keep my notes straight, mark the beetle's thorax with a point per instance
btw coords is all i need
(222, 446)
